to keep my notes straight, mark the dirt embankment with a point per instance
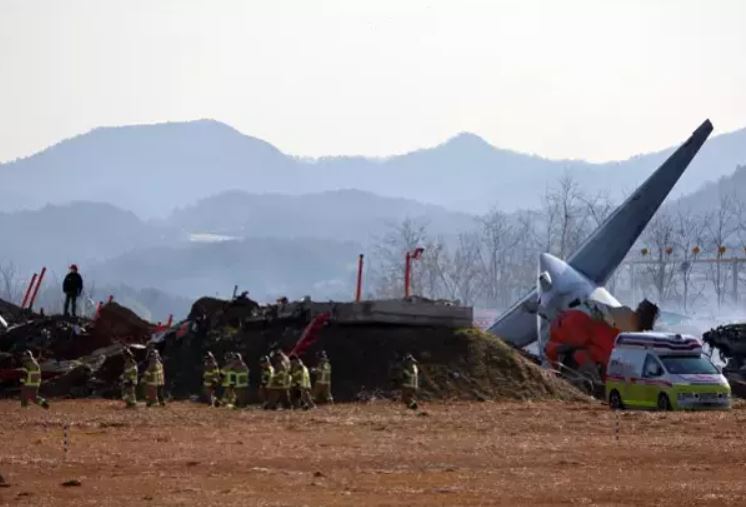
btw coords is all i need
(366, 359)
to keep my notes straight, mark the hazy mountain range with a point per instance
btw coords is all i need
(153, 169)
(267, 267)
(339, 215)
(125, 203)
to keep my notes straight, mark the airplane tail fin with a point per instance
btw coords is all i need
(605, 249)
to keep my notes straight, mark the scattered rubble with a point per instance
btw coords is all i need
(78, 357)
(9, 314)
(730, 343)
(84, 357)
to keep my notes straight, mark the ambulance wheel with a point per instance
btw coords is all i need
(663, 402)
(615, 400)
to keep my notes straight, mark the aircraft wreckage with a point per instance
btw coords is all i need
(570, 316)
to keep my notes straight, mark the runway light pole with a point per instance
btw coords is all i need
(28, 291)
(36, 289)
(359, 285)
(413, 255)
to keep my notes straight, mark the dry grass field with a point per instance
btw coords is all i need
(465, 453)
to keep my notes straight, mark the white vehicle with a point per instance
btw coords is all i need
(663, 370)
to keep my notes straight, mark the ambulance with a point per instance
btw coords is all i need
(663, 371)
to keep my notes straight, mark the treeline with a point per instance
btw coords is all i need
(683, 260)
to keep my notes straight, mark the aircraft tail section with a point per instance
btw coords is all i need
(605, 249)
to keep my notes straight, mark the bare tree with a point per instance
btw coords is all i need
(690, 232)
(659, 237)
(432, 270)
(388, 266)
(498, 238)
(598, 207)
(570, 216)
(465, 270)
(723, 224)
(11, 284)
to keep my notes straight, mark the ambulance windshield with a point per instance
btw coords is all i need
(688, 365)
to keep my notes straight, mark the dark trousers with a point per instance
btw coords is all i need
(154, 395)
(322, 393)
(409, 397)
(276, 397)
(71, 300)
(31, 394)
(301, 398)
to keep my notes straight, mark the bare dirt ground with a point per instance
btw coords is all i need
(487, 453)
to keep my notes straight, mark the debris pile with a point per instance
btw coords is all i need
(9, 313)
(730, 343)
(117, 324)
(366, 359)
(84, 357)
(78, 357)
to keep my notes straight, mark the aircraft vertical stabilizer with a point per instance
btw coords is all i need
(604, 250)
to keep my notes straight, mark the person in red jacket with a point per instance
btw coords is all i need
(72, 286)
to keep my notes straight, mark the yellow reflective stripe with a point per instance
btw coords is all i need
(33, 376)
(410, 377)
(227, 378)
(242, 379)
(326, 374)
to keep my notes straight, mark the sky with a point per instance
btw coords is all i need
(591, 79)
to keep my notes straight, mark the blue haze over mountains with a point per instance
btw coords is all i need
(151, 169)
(123, 202)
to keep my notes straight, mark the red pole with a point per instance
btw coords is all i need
(407, 274)
(28, 291)
(98, 310)
(359, 286)
(170, 320)
(36, 289)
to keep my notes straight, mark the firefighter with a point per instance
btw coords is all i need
(228, 375)
(210, 378)
(322, 386)
(279, 384)
(280, 357)
(267, 371)
(129, 379)
(31, 381)
(242, 380)
(410, 382)
(301, 384)
(287, 379)
(155, 379)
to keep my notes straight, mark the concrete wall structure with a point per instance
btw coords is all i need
(401, 312)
